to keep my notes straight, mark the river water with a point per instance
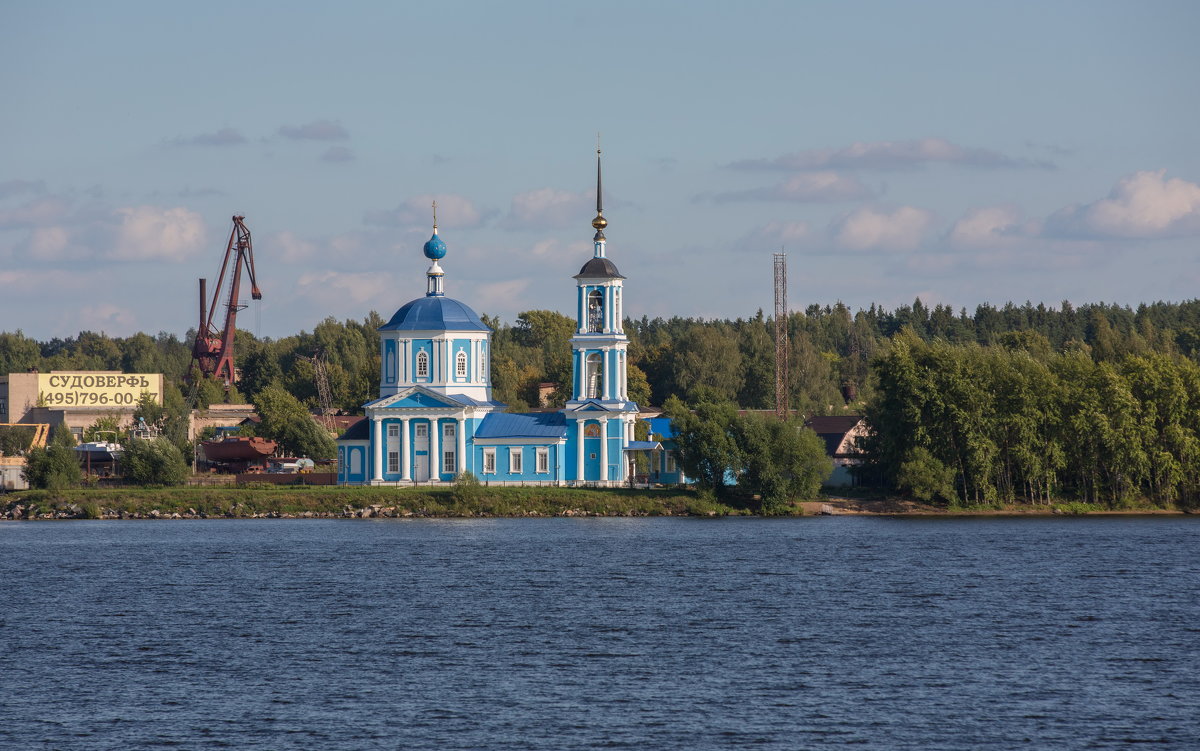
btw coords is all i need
(811, 633)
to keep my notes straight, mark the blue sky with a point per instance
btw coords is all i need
(962, 152)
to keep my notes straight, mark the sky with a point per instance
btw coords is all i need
(959, 152)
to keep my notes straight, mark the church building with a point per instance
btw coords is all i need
(435, 417)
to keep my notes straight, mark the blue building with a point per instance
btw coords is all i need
(435, 417)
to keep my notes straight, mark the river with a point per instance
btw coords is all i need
(660, 633)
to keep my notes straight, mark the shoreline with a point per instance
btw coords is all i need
(316, 502)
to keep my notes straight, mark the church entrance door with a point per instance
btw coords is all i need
(421, 452)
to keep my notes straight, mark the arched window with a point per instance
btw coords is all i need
(460, 365)
(422, 364)
(595, 311)
(594, 386)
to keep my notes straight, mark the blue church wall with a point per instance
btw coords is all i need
(464, 346)
(415, 348)
(353, 463)
(389, 361)
(528, 473)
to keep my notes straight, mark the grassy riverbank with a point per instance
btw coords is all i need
(308, 501)
(293, 501)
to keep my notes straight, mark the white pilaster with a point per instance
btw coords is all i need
(460, 456)
(604, 450)
(580, 474)
(377, 449)
(435, 454)
(405, 450)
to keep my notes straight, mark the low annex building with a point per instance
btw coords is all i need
(435, 417)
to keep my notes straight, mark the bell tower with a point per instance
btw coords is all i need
(599, 403)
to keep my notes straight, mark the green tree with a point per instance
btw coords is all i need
(154, 462)
(780, 461)
(105, 428)
(288, 423)
(56, 466)
(707, 447)
(925, 477)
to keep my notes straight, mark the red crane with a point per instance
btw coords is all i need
(213, 349)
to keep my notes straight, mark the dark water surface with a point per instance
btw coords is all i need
(601, 633)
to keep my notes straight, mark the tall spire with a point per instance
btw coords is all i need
(599, 222)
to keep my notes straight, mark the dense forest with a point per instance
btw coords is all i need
(930, 412)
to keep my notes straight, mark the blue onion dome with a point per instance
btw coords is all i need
(435, 248)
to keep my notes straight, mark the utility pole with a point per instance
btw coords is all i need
(781, 337)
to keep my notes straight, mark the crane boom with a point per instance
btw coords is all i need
(213, 349)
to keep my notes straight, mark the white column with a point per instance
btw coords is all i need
(604, 450)
(461, 455)
(435, 454)
(608, 368)
(405, 450)
(580, 475)
(377, 449)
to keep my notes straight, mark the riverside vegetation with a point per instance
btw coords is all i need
(1020, 404)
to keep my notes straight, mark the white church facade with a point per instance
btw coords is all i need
(435, 417)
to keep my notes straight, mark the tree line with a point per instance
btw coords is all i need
(841, 361)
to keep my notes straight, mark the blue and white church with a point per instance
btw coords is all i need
(435, 417)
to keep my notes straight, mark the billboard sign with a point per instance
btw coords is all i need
(97, 390)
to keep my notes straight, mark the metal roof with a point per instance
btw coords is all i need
(359, 431)
(435, 313)
(551, 425)
(598, 268)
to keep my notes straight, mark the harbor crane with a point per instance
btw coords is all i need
(213, 349)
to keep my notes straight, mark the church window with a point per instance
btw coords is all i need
(543, 460)
(595, 376)
(355, 462)
(670, 462)
(448, 431)
(422, 364)
(595, 311)
(393, 431)
(460, 365)
(489, 461)
(514, 461)
(448, 461)
(393, 461)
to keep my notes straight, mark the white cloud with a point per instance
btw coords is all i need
(1142, 205)
(774, 235)
(804, 187)
(332, 290)
(48, 243)
(549, 207)
(989, 226)
(499, 295)
(454, 211)
(870, 228)
(890, 155)
(289, 248)
(111, 319)
(152, 233)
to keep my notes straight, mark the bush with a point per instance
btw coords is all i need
(55, 467)
(154, 462)
(926, 477)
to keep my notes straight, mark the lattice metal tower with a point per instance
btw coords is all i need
(781, 337)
